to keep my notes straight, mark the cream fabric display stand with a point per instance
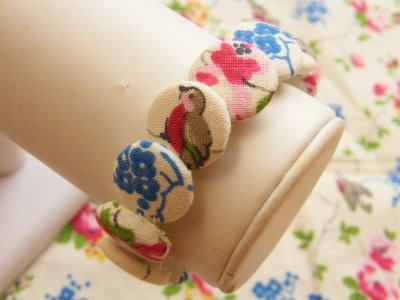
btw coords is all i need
(76, 82)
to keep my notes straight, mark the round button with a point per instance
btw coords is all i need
(193, 121)
(133, 232)
(153, 181)
(240, 73)
(284, 51)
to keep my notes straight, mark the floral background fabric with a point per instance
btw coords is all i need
(345, 241)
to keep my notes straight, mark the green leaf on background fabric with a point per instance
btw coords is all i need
(314, 47)
(368, 145)
(361, 19)
(343, 63)
(79, 241)
(382, 132)
(390, 234)
(347, 232)
(367, 112)
(230, 297)
(65, 235)
(357, 296)
(347, 152)
(396, 121)
(190, 283)
(177, 6)
(172, 289)
(305, 237)
(364, 37)
(350, 282)
(319, 272)
(380, 102)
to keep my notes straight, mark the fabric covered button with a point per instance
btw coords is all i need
(168, 272)
(309, 61)
(153, 181)
(240, 73)
(193, 121)
(284, 51)
(133, 232)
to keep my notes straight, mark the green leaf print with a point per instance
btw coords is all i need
(124, 234)
(390, 234)
(319, 272)
(347, 232)
(79, 241)
(172, 289)
(65, 235)
(263, 102)
(305, 238)
(351, 283)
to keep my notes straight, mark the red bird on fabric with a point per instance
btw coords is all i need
(186, 129)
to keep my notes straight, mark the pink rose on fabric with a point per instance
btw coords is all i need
(369, 286)
(384, 253)
(237, 70)
(380, 89)
(359, 5)
(85, 223)
(357, 61)
(206, 78)
(376, 22)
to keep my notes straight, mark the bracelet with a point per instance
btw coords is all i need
(189, 124)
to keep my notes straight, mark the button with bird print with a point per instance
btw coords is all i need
(133, 232)
(283, 49)
(240, 73)
(192, 120)
(153, 182)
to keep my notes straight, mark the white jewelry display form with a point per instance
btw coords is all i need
(76, 81)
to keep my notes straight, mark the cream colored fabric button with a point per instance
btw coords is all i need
(168, 272)
(133, 232)
(193, 121)
(284, 51)
(154, 181)
(240, 73)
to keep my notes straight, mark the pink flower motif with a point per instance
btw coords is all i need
(360, 5)
(357, 61)
(369, 286)
(237, 70)
(206, 78)
(85, 223)
(203, 287)
(384, 253)
(376, 21)
(380, 89)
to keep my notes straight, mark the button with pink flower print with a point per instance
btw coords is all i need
(240, 73)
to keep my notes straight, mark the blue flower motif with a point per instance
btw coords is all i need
(314, 9)
(122, 177)
(135, 172)
(266, 29)
(244, 36)
(259, 290)
(273, 289)
(314, 297)
(268, 44)
(142, 163)
(66, 294)
(146, 187)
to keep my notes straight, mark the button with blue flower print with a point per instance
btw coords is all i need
(133, 232)
(240, 73)
(284, 51)
(153, 181)
(192, 120)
